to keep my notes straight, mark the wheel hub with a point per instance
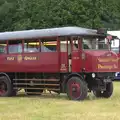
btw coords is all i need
(74, 89)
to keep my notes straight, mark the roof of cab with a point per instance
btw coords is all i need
(51, 32)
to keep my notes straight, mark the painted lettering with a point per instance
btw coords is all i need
(108, 59)
(30, 58)
(10, 58)
(107, 66)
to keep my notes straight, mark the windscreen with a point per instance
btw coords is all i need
(95, 44)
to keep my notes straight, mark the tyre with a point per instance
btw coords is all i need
(107, 93)
(109, 90)
(97, 93)
(33, 91)
(76, 89)
(5, 87)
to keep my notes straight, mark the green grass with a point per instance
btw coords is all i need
(58, 107)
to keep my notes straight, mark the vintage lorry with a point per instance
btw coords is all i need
(84, 63)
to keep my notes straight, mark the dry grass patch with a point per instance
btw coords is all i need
(55, 107)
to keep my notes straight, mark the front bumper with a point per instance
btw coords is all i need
(106, 75)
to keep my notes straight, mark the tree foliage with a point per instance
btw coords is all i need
(33, 14)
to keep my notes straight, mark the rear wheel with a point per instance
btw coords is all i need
(107, 93)
(76, 88)
(5, 87)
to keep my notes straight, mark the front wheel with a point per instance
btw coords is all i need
(107, 93)
(76, 88)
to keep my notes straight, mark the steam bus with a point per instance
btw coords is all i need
(80, 62)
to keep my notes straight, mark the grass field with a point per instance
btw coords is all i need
(58, 107)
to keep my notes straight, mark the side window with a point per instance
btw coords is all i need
(48, 45)
(15, 46)
(31, 46)
(87, 43)
(102, 45)
(75, 43)
(3, 47)
(63, 44)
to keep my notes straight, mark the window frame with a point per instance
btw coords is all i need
(16, 45)
(30, 41)
(4, 42)
(95, 37)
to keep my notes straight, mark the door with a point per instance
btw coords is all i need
(65, 52)
(76, 54)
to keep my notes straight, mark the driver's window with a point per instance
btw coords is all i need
(94, 44)
(103, 44)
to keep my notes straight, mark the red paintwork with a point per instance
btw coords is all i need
(93, 61)
(74, 85)
(77, 64)
(46, 62)
(49, 62)
(58, 61)
(63, 62)
(118, 61)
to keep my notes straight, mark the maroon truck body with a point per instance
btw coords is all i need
(53, 61)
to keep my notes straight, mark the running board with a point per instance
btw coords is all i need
(56, 80)
(37, 84)
(49, 89)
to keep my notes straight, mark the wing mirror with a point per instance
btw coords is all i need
(108, 40)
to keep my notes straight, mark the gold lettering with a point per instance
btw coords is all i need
(30, 58)
(107, 66)
(10, 58)
(108, 59)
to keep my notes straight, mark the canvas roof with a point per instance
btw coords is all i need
(51, 32)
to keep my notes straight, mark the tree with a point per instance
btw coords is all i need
(33, 14)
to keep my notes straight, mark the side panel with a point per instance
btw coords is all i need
(76, 61)
(63, 62)
(119, 60)
(65, 48)
(101, 61)
(88, 63)
(30, 62)
(105, 64)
